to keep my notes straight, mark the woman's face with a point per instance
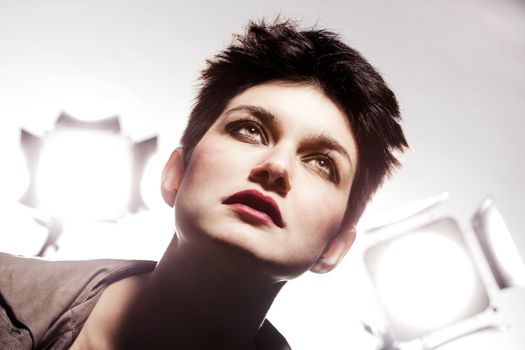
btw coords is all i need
(271, 176)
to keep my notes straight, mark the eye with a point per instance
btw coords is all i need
(325, 166)
(247, 130)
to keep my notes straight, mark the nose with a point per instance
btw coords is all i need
(273, 174)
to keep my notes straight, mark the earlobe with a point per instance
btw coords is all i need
(335, 250)
(172, 176)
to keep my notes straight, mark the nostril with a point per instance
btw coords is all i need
(283, 185)
(271, 178)
(261, 175)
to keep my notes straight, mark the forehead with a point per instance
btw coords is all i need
(301, 110)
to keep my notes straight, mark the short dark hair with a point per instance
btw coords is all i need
(280, 51)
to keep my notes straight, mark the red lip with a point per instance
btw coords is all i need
(256, 205)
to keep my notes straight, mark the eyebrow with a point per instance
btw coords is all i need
(260, 113)
(325, 141)
(320, 140)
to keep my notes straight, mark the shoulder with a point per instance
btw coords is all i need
(101, 325)
(54, 298)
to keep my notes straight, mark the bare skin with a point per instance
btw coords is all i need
(172, 307)
(217, 280)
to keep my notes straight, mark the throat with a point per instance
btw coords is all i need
(194, 301)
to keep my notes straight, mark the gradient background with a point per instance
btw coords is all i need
(458, 69)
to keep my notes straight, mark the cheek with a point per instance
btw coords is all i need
(322, 221)
(203, 169)
(211, 173)
(321, 211)
(199, 188)
(202, 160)
(213, 158)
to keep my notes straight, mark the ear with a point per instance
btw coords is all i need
(335, 250)
(172, 176)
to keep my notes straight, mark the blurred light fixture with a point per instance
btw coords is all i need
(84, 174)
(425, 279)
(498, 247)
(84, 170)
(398, 215)
(427, 284)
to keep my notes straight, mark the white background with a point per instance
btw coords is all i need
(458, 69)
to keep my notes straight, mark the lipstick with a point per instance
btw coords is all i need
(254, 204)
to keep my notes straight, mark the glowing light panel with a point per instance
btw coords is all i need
(84, 174)
(426, 279)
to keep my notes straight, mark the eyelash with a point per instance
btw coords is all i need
(235, 127)
(332, 174)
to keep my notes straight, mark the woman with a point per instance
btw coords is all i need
(291, 134)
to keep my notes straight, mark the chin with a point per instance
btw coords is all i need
(263, 248)
(268, 256)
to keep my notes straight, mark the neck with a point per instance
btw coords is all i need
(199, 298)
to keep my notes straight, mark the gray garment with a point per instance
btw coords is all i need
(44, 304)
